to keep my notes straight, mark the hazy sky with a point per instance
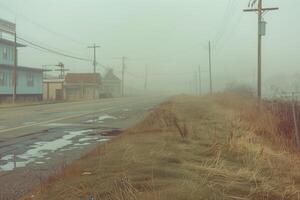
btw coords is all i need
(170, 36)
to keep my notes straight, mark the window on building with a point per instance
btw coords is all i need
(5, 53)
(11, 79)
(30, 79)
(10, 54)
(2, 78)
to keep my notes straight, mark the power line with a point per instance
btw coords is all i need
(223, 23)
(33, 40)
(226, 21)
(45, 51)
(227, 36)
(45, 28)
(54, 51)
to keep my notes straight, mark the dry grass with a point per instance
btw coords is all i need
(188, 148)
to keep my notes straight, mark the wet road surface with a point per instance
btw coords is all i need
(37, 140)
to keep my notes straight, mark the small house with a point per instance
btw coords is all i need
(111, 84)
(82, 86)
(53, 89)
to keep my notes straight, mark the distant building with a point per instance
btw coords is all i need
(82, 86)
(53, 89)
(29, 80)
(111, 84)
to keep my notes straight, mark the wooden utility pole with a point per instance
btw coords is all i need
(61, 69)
(199, 79)
(196, 83)
(146, 78)
(210, 75)
(95, 59)
(261, 32)
(259, 36)
(123, 75)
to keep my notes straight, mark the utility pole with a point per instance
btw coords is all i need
(199, 79)
(61, 69)
(146, 78)
(196, 82)
(15, 69)
(261, 32)
(95, 60)
(123, 75)
(209, 61)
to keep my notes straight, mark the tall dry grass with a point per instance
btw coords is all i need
(228, 153)
(273, 120)
(262, 141)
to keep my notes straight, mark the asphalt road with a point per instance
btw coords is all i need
(38, 139)
(15, 122)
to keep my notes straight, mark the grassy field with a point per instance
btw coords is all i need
(219, 147)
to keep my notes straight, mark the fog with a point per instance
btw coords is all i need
(169, 36)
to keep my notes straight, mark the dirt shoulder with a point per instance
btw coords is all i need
(188, 148)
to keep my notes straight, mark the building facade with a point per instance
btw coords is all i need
(82, 86)
(29, 83)
(53, 89)
(29, 80)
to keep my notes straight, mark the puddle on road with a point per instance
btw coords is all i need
(103, 140)
(40, 150)
(89, 138)
(104, 117)
(7, 157)
(91, 121)
(82, 144)
(7, 167)
(100, 119)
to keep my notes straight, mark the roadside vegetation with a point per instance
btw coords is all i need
(218, 147)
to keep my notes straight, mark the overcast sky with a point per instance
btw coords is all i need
(170, 36)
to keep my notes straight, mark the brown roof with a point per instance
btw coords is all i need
(83, 78)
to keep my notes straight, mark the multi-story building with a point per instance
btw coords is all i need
(29, 80)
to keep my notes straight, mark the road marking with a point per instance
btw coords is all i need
(52, 120)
